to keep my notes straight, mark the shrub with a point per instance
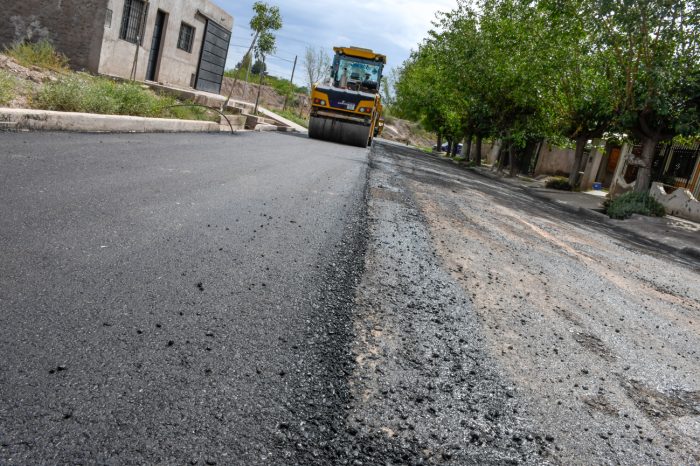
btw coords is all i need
(558, 182)
(41, 54)
(7, 87)
(634, 203)
(82, 92)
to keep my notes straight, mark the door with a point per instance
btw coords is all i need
(158, 33)
(212, 59)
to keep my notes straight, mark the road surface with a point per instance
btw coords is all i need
(160, 293)
(269, 299)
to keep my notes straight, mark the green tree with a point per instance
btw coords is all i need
(258, 67)
(267, 18)
(584, 83)
(656, 49)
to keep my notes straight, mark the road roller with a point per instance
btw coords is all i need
(346, 107)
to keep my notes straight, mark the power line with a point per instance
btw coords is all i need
(277, 34)
(266, 56)
(242, 46)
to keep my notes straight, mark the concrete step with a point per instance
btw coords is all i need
(238, 122)
(252, 121)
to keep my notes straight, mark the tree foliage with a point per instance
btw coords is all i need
(266, 19)
(524, 71)
(258, 67)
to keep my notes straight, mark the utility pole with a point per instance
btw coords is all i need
(284, 107)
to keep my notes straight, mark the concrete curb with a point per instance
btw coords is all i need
(46, 120)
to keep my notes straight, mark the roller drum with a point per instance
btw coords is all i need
(329, 129)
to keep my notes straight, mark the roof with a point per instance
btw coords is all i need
(360, 53)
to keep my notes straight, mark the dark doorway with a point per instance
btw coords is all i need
(158, 32)
(212, 59)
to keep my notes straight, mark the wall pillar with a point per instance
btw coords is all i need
(592, 165)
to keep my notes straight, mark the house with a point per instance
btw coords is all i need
(177, 42)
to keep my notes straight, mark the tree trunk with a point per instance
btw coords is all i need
(262, 75)
(578, 157)
(235, 80)
(455, 147)
(439, 142)
(502, 155)
(526, 161)
(497, 163)
(449, 145)
(538, 151)
(511, 159)
(644, 162)
(477, 150)
(467, 149)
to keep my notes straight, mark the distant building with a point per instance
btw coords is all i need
(179, 42)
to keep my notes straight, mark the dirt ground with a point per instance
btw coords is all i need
(511, 331)
(407, 132)
(269, 97)
(29, 80)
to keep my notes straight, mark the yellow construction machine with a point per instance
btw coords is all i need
(347, 107)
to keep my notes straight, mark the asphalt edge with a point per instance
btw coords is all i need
(324, 433)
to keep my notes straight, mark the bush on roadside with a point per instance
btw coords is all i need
(81, 92)
(7, 87)
(558, 182)
(634, 203)
(41, 54)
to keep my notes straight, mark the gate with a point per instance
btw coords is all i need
(212, 59)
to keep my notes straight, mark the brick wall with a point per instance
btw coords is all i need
(74, 26)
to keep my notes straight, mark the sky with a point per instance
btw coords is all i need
(391, 27)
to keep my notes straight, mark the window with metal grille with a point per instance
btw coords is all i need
(132, 20)
(683, 162)
(184, 41)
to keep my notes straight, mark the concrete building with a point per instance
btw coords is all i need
(178, 42)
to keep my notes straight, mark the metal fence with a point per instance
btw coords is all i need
(677, 165)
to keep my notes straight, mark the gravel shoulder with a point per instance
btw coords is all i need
(595, 339)
(425, 389)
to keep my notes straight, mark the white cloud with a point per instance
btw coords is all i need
(392, 27)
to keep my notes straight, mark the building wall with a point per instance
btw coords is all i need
(74, 26)
(555, 161)
(176, 66)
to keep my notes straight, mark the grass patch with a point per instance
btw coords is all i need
(558, 182)
(81, 92)
(8, 86)
(290, 115)
(634, 203)
(41, 54)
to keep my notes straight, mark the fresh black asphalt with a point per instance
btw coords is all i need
(270, 299)
(157, 292)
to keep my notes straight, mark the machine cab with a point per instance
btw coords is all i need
(357, 69)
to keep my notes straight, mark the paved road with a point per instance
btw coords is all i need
(158, 292)
(269, 299)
